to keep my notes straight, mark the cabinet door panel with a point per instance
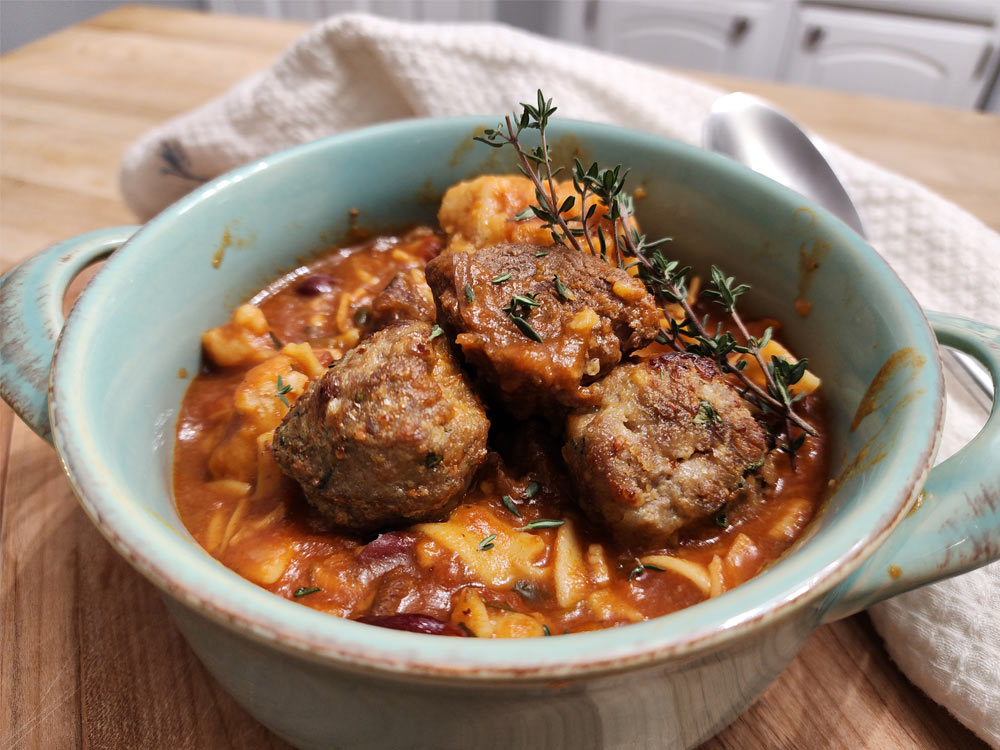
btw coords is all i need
(725, 37)
(925, 59)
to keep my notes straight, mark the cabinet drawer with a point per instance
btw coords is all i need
(925, 59)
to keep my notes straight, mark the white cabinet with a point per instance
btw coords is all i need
(738, 36)
(926, 59)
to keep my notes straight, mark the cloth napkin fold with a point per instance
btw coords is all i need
(354, 70)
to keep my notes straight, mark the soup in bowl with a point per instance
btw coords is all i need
(134, 339)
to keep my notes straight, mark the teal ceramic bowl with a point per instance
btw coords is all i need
(113, 394)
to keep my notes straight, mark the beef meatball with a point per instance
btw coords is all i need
(390, 434)
(670, 444)
(540, 323)
(406, 297)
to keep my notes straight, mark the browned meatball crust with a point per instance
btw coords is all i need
(670, 444)
(586, 323)
(390, 434)
(406, 297)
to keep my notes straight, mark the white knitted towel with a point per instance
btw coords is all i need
(354, 70)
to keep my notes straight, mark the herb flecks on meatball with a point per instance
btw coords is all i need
(390, 434)
(540, 323)
(670, 444)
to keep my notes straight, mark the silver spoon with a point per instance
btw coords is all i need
(750, 131)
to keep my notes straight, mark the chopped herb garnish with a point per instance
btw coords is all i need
(275, 340)
(486, 543)
(470, 296)
(525, 327)
(435, 332)
(508, 503)
(360, 396)
(305, 591)
(721, 519)
(521, 304)
(541, 254)
(545, 629)
(706, 413)
(284, 388)
(501, 278)
(532, 490)
(561, 289)
(361, 315)
(542, 523)
(641, 568)
(432, 460)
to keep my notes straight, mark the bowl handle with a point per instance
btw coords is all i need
(955, 524)
(31, 318)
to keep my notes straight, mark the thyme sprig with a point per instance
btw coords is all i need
(622, 245)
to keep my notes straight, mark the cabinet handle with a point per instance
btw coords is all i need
(738, 29)
(814, 35)
(984, 59)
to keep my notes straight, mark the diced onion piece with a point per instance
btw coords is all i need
(598, 564)
(608, 607)
(743, 559)
(269, 475)
(584, 321)
(341, 316)
(215, 531)
(241, 341)
(628, 291)
(512, 557)
(715, 576)
(806, 385)
(794, 517)
(264, 562)
(568, 569)
(516, 625)
(693, 571)
(427, 552)
(250, 318)
(470, 611)
(304, 359)
(230, 487)
(234, 522)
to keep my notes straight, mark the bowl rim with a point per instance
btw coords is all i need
(258, 614)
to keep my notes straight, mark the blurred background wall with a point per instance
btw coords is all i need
(940, 51)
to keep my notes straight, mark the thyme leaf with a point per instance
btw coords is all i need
(706, 414)
(486, 543)
(283, 388)
(542, 523)
(508, 503)
(561, 289)
(304, 591)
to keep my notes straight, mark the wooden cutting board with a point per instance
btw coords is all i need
(88, 656)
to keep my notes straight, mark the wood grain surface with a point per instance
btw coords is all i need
(88, 657)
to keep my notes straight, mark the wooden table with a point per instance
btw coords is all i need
(87, 654)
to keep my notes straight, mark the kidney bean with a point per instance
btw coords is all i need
(318, 283)
(386, 545)
(413, 623)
